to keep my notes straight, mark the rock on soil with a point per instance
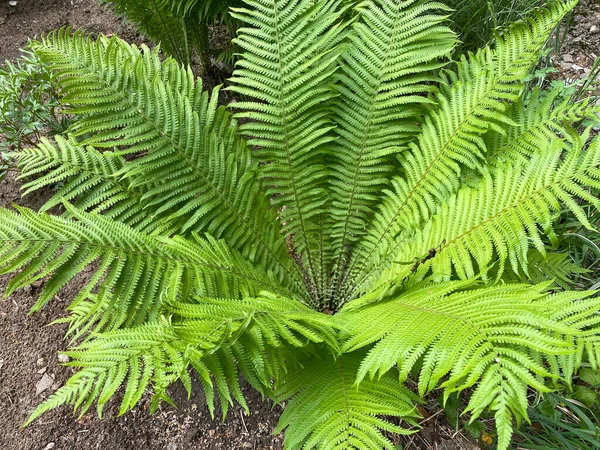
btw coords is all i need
(44, 384)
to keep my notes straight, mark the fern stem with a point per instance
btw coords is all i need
(340, 278)
(288, 155)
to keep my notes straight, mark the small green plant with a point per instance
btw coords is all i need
(561, 422)
(28, 106)
(379, 214)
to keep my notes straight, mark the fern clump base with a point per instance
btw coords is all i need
(381, 215)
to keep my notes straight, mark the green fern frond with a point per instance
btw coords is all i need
(206, 9)
(211, 335)
(194, 169)
(558, 267)
(90, 180)
(179, 26)
(506, 213)
(289, 54)
(386, 71)
(540, 117)
(254, 259)
(460, 335)
(157, 20)
(268, 326)
(281, 320)
(329, 411)
(136, 355)
(132, 268)
(153, 353)
(452, 135)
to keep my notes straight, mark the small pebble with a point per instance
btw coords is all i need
(12, 2)
(593, 29)
(45, 383)
(567, 58)
(50, 446)
(42, 370)
(63, 359)
(28, 289)
(41, 362)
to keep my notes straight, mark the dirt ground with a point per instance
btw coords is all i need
(29, 348)
(582, 42)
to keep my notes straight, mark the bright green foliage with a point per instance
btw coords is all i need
(380, 215)
(462, 334)
(327, 411)
(292, 124)
(385, 71)
(212, 189)
(93, 180)
(470, 103)
(216, 335)
(540, 118)
(514, 199)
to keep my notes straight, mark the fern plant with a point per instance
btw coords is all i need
(371, 213)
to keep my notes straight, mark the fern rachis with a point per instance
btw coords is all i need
(377, 215)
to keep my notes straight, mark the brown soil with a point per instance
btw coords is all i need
(29, 349)
(581, 45)
(30, 18)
